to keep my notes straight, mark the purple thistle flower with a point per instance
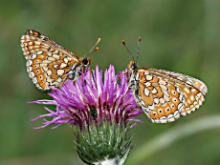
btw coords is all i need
(91, 100)
(102, 109)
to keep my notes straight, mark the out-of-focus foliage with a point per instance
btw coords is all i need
(181, 36)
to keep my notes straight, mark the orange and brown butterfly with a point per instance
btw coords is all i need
(164, 96)
(49, 64)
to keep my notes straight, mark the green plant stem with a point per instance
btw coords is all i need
(169, 137)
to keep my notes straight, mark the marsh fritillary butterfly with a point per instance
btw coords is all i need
(48, 63)
(165, 96)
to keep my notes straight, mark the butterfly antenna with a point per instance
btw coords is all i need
(94, 48)
(123, 42)
(138, 48)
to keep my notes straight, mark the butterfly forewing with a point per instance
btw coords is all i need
(166, 96)
(181, 78)
(47, 62)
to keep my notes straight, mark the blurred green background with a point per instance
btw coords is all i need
(181, 36)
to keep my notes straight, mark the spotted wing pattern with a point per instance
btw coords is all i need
(47, 62)
(166, 96)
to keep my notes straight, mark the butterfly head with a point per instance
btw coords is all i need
(132, 66)
(86, 62)
(132, 69)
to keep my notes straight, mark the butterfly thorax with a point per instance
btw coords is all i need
(132, 75)
(78, 68)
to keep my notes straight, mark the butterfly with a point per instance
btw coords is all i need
(49, 64)
(164, 96)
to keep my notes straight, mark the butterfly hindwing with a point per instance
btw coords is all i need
(47, 62)
(166, 96)
(48, 70)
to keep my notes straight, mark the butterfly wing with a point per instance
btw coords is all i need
(47, 62)
(166, 96)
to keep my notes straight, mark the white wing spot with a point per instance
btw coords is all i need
(56, 56)
(55, 66)
(40, 52)
(43, 65)
(181, 97)
(49, 72)
(45, 69)
(31, 74)
(29, 69)
(49, 80)
(148, 84)
(162, 82)
(154, 91)
(33, 56)
(60, 72)
(163, 87)
(192, 98)
(29, 62)
(162, 100)
(146, 91)
(51, 59)
(163, 119)
(59, 80)
(180, 106)
(189, 102)
(37, 43)
(149, 77)
(46, 62)
(156, 100)
(202, 98)
(34, 80)
(65, 60)
(166, 97)
(189, 82)
(63, 65)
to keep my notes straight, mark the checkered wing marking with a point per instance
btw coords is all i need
(33, 41)
(166, 96)
(47, 62)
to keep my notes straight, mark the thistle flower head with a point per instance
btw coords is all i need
(101, 108)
